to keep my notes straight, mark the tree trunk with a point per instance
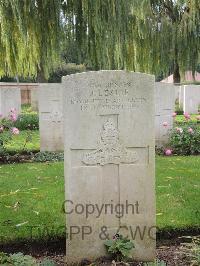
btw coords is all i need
(176, 74)
(41, 77)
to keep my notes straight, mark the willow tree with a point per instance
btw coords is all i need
(101, 31)
(140, 35)
(29, 37)
(170, 35)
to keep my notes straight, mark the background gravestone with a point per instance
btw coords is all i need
(109, 159)
(34, 99)
(191, 98)
(9, 98)
(164, 108)
(51, 116)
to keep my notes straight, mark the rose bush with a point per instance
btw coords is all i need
(185, 140)
(7, 129)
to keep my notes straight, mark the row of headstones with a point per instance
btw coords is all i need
(109, 146)
(189, 98)
(108, 120)
(50, 107)
(51, 114)
(13, 95)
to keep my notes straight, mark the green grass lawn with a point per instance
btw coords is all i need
(178, 191)
(18, 141)
(32, 195)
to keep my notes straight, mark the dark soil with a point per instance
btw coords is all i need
(167, 251)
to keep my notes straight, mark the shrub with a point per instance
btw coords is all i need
(4, 259)
(7, 129)
(47, 262)
(185, 140)
(48, 156)
(19, 259)
(28, 121)
(179, 109)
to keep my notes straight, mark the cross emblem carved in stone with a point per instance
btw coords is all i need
(110, 150)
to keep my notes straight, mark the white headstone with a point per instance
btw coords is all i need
(34, 99)
(109, 160)
(180, 98)
(165, 106)
(51, 116)
(191, 98)
(9, 98)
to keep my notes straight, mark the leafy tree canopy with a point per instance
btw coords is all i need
(140, 35)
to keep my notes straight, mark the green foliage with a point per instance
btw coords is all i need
(6, 131)
(120, 247)
(27, 140)
(19, 259)
(4, 259)
(184, 142)
(47, 262)
(180, 120)
(5, 137)
(179, 109)
(65, 69)
(27, 109)
(48, 156)
(191, 250)
(140, 35)
(28, 121)
(26, 47)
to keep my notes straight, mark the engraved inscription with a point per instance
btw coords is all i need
(107, 97)
(110, 150)
(56, 117)
(107, 104)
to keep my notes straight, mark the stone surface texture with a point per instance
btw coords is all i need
(109, 120)
(50, 97)
(164, 108)
(191, 98)
(9, 98)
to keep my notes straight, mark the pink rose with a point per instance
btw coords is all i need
(190, 130)
(1, 129)
(187, 116)
(168, 152)
(174, 114)
(13, 117)
(179, 129)
(13, 110)
(15, 131)
(165, 124)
